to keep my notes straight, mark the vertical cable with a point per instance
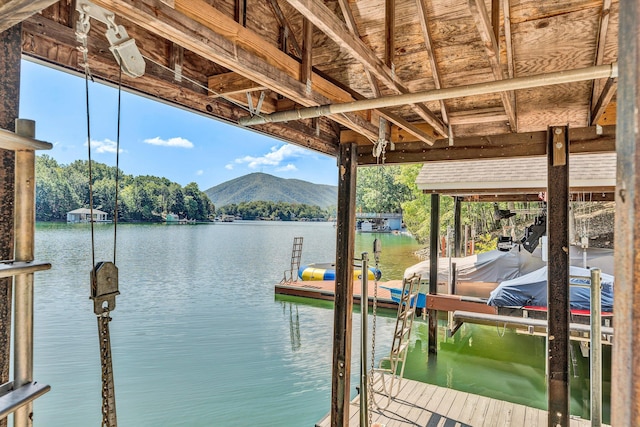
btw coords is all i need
(93, 252)
(115, 208)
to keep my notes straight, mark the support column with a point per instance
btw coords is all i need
(433, 270)
(342, 322)
(558, 276)
(625, 372)
(457, 226)
(10, 51)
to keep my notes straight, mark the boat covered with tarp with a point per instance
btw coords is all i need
(531, 290)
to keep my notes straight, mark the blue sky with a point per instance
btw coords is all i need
(155, 139)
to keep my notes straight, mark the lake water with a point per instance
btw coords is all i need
(199, 339)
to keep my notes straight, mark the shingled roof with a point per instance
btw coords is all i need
(588, 173)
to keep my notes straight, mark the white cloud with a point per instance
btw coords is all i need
(229, 166)
(171, 142)
(275, 157)
(104, 146)
(288, 168)
(199, 172)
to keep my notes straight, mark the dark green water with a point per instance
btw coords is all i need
(199, 339)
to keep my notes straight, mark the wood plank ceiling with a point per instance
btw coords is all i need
(215, 57)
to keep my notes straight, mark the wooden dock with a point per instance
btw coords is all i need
(325, 290)
(421, 404)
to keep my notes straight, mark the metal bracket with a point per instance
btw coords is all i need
(124, 49)
(104, 287)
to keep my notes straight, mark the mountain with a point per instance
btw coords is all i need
(261, 186)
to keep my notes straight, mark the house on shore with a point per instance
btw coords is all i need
(85, 215)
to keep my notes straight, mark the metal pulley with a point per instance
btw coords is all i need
(104, 287)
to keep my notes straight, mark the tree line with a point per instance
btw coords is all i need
(281, 211)
(63, 188)
(392, 189)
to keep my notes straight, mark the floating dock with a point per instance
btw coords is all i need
(325, 290)
(422, 404)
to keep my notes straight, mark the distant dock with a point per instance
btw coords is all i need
(325, 290)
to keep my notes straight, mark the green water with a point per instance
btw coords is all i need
(199, 339)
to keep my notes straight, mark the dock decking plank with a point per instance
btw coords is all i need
(426, 405)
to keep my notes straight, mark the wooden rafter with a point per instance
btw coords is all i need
(389, 33)
(428, 42)
(596, 94)
(176, 59)
(508, 42)
(332, 26)
(16, 11)
(284, 23)
(387, 114)
(40, 31)
(487, 115)
(481, 18)
(209, 33)
(231, 83)
(605, 97)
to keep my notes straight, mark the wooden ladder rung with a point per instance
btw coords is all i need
(10, 269)
(14, 399)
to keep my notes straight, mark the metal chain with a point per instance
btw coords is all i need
(373, 341)
(108, 390)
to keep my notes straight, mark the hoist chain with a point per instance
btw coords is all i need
(108, 390)
(373, 342)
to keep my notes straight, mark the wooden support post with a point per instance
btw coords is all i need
(240, 12)
(457, 226)
(558, 276)
(625, 372)
(306, 66)
(433, 270)
(10, 52)
(345, 239)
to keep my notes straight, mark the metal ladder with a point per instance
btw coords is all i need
(17, 396)
(291, 275)
(391, 377)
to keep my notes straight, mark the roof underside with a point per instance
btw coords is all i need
(208, 55)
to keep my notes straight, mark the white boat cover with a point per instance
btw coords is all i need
(531, 290)
(497, 266)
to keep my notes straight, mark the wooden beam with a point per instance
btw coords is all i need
(176, 60)
(495, 21)
(240, 12)
(231, 83)
(603, 101)
(16, 11)
(558, 277)
(199, 27)
(306, 67)
(342, 322)
(284, 23)
(487, 115)
(56, 43)
(583, 140)
(600, 46)
(481, 18)
(351, 25)
(506, 13)
(389, 33)
(428, 42)
(325, 20)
